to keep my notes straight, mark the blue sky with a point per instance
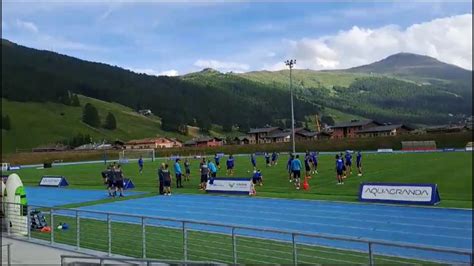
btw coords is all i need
(186, 36)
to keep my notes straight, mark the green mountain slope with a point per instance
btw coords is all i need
(35, 124)
(41, 76)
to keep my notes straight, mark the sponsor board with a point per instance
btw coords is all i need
(229, 185)
(426, 194)
(385, 150)
(53, 181)
(14, 167)
(449, 149)
(468, 148)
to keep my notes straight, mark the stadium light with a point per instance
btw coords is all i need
(290, 64)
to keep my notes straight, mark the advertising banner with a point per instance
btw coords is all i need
(426, 194)
(229, 185)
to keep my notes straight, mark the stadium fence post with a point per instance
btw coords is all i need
(78, 231)
(52, 225)
(234, 246)
(109, 231)
(295, 256)
(371, 258)
(185, 242)
(143, 238)
(28, 222)
(9, 255)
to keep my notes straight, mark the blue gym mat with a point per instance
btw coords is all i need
(437, 227)
(52, 196)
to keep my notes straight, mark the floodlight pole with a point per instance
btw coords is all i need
(290, 64)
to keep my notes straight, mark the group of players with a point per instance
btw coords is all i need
(113, 178)
(113, 175)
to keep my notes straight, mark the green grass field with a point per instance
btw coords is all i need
(451, 171)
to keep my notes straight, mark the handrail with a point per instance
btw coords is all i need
(106, 258)
(288, 232)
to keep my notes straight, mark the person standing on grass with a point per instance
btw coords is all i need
(343, 166)
(339, 170)
(314, 160)
(288, 167)
(167, 180)
(257, 178)
(296, 169)
(217, 159)
(140, 165)
(253, 161)
(212, 169)
(119, 180)
(178, 173)
(348, 163)
(187, 169)
(267, 159)
(204, 169)
(161, 178)
(274, 158)
(359, 163)
(110, 179)
(307, 165)
(230, 165)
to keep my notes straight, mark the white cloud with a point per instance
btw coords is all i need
(169, 73)
(221, 65)
(448, 39)
(27, 25)
(152, 72)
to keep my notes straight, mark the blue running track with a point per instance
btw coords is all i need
(52, 196)
(436, 227)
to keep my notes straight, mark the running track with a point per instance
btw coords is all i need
(436, 227)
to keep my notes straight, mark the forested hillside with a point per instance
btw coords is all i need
(33, 75)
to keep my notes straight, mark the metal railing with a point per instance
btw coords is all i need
(102, 261)
(8, 254)
(155, 237)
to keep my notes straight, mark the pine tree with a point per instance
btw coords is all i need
(110, 122)
(75, 100)
(90, 115)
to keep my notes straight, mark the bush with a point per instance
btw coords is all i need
(110, 122)
(90, 115)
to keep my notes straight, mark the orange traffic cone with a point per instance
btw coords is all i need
(306, 184)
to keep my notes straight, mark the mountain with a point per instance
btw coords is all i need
(415, 67)
(42, 76)
(399, 89)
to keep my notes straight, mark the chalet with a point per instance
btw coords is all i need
(323, 135)
(305, 134)
(242, 140)
(385, 130)
(259, 135)
(278, 137)
(153, 143)
(204, 142)
(349, 129)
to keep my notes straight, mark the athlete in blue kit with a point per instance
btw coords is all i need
(314, 159)
(339, 170)
(230, 165)
(217, 159)
(359, 163)
(267, 159)
(348, 163)
(253, 161)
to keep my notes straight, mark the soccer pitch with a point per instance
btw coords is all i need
(452, 171)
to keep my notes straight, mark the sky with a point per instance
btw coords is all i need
(175, 38)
